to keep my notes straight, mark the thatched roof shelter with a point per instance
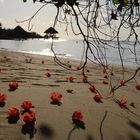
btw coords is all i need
(51, 30)
(19, 29)
(51, 33)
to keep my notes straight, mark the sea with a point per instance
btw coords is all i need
(73, 49)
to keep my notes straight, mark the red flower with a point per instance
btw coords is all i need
(56, 97)
(42, 61)
(138, 86)
(3, 98)
(85, 79)
(13, 112)
(70, 79)
(122, 82)
(105, 76)
(70, 66)
(122, 102)
(29, 117)
(77, 116)
(92, 88)
(48, 74)
(78, 67)
(111, 73)
(13, 85)
(97, 97)
(27, 105)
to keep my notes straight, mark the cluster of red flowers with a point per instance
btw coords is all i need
(77, 116)
(3, 98)
(28, 115)
(56, 97)
(13, 85)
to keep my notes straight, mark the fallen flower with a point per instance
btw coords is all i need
(92, 88)
(29, 117)
(106, 77)
(70, 66)
(56, 97)
(105, 82)
(77, 116)
(111, 73)
(13, 112)
(3, 98)
(84, 79)
(78, 67)
(70, 79)
(122, 82)
(27, 105)
(97, 97)
(138, 86)
(48, 74)
(13, 85)
(122, 102)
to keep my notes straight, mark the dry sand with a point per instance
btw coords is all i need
(103, 121)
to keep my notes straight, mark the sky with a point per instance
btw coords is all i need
(12, 10)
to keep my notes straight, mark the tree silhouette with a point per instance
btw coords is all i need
(99, 22)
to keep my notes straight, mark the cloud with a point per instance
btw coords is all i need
(1, 0)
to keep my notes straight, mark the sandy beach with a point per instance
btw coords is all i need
(38, 76)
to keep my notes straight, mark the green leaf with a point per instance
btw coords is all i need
(123, 2)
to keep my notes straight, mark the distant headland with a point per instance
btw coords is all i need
(18, 33)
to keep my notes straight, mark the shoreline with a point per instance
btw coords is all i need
(101, 120)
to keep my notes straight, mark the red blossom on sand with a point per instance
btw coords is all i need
(77, 116)
(111, 73)
(92, 88)
(70, 66)
(3, 98)
(48, 74)
(70, 79)
(29, 117)
(13, 112)
(78, 67)
(97, 97)
(13, 85)
(138, 86)
(56, 97)
(122, 82)
(42, 61)
(27, 105)
(106, 77)
(84, 79)
(122, 102)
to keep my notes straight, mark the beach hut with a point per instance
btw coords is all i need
(51, 33)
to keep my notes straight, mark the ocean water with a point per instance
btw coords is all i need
(73, 49)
